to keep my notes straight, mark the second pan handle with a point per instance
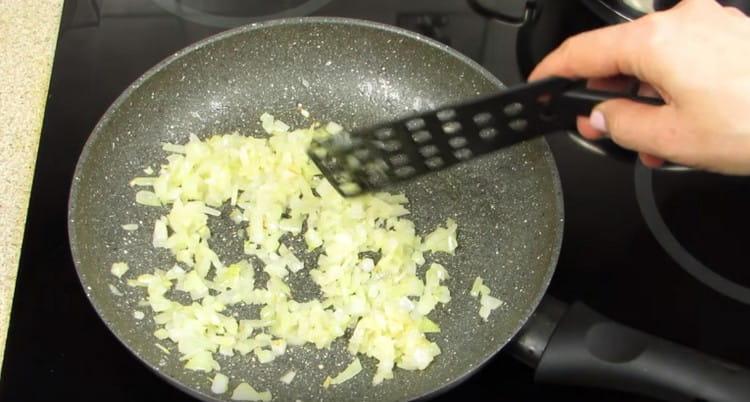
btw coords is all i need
(586, 348)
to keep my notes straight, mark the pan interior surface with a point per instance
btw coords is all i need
(507, 205)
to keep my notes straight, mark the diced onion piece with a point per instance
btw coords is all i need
(479, 288)
(143, 181)
(236, 216)
(162, 348)
(442, 239)
(291, 261)
(160, 233)
(114, 290)
(219, 384)
(138, 315)
(264, 355)
(211, 211)
(349, 372)
(245, 392)
(271, 125)
(333, 128)
(147, 198)
(486, 304)
(288, 377)
(119, 269)
(130, 227)
(148, 170)
(173, 148)
(428, 326)
(202, 361)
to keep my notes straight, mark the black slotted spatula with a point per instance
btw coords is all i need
(373, 158)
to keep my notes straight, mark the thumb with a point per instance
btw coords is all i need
(637, 126)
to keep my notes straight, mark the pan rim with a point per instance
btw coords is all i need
(125, 95)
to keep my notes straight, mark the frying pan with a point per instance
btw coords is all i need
(508, 207)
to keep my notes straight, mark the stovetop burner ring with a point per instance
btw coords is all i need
(644, 190)
(223, 21)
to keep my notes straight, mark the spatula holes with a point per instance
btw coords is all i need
(446, 115)
(457, 142)
(376, 166)
(352, 162)
(482, 119)
(399, 160)
(434, 163)
(463, 154)
(350, 188)
(428, 151)
(513, 109)
(384, 133)
(488, 133)
(343, 177)
(421, 136)
(392, 145)
(405, 171)
(362, 154)
(319, 152)
(415, 124)
(547, 115)
(451, 127)
(518, 124)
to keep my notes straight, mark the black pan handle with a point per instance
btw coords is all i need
(588, 349)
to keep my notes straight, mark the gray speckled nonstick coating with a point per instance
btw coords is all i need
(507, 205)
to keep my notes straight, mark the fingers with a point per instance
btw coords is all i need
(587, 131)
(603, 52)
(640, 127)
(614, 84)
(650, 161)
(734, 12)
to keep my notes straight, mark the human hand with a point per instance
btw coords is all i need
(696, 56)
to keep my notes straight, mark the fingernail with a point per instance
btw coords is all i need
(596, 119)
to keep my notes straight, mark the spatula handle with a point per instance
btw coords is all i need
(581, 101)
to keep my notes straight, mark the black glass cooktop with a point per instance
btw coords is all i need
(661, 251)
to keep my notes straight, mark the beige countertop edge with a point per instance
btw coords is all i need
(28, 36)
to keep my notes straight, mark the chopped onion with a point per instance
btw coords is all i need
(160, 233)
(138, 315)
(114, 290)
(130, 227)
(478, 288)
(442, 239)
(147, 198)
(275, 192)
(333, 128)
(288, 377)
(143, 181)
(487, 303)
(173, 148)
(245, 392)
(349, 372)
(236, 216)
(119, 268)
(220, 384)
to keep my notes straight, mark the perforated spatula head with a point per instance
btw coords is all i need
(375, 157)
